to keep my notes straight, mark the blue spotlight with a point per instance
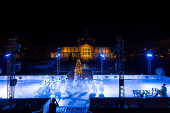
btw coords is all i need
(7, 55)
(149, 55)
(58, 55)
(102, 55)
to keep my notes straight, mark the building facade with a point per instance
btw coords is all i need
(86, 49)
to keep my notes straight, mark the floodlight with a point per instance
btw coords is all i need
(102, 55)
(149, 55)
(8, 55)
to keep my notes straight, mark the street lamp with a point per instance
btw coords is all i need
(149, 55)
(8, 71)
(7, 55)
(0, 70)
(58, 60)
(102, 57)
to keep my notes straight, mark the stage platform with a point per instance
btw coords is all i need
(74, 97)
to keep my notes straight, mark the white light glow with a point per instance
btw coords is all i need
(8, 55)
(149, 55)
(102, 55)
(57, 55)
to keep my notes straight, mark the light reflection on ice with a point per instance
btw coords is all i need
(74, 95)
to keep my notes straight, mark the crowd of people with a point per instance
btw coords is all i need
(26, 109)
(151, 93)
(53, 85)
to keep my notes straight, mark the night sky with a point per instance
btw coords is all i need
(61, 22)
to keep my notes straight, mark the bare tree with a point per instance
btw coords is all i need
(160, 72)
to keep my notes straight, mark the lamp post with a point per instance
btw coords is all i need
(102, 57)
(149, 55)
(0, 70)
(58, 60)
(8, 71)
(120, 68)
(13, 49)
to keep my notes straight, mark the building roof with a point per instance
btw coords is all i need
(86, 35)
(86, 38)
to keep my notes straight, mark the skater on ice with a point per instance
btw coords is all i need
(50, 84)
(81, 84)
(58, 87)
(45, 80)
(94, 86)
(56, 92)
(75, 82)
(101, 86)
(66, 85)
(86, 85)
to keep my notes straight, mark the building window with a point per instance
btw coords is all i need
(83, 49)
(85, 53)
(88, 53)
(88, 49)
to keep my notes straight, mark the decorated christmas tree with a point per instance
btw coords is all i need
(78, 68)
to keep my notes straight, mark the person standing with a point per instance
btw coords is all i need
(94, 86)
(66, 85)
(27, 109)
(81, 84)
(86, 85)
(75, 82)
(15, 109)
(53, 105)
(164, 91)
(101, 86)
(97, 109)
(58, 85)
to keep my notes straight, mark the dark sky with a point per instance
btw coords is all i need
(62, 22)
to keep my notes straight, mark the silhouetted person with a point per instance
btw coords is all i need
(52, 106)
(27, 108)
(97, 109)
(89, 110)
(15, 109)
(164, 91)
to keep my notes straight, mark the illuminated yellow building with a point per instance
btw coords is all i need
(85, 50)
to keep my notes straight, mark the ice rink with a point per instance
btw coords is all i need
(78, 95)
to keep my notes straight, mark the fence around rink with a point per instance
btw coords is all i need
(131, 102)
(34, 77)
(126, 77)
(41, 77)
